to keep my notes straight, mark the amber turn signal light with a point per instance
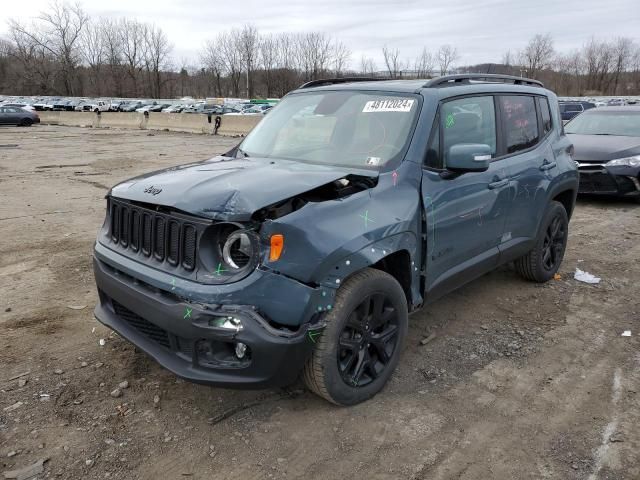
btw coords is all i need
(277, 244)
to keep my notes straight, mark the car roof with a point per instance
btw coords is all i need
(618, 109)
(422, 86)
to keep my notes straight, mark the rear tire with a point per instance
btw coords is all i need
(26, 122)
(361, 344)
(544, 259)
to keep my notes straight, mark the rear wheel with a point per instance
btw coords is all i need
(544, 259)
(360, 347)
(26, 122)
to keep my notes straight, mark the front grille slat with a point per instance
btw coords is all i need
(189, 247)
(164, 237)
(159, 233)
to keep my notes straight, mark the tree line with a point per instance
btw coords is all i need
(64, 51)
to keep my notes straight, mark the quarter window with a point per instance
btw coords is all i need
(543, 105)
(468, 120)
(520, 122)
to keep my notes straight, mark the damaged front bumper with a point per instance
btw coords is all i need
(206, 333)
(605, 180)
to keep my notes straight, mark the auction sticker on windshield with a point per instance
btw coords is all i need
(388, 105)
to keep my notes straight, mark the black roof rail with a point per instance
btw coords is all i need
(450, 80)
(334, 81)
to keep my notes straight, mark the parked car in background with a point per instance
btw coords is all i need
(114, 106)
(616, 102)
(303, 250)
(158, 107)
(131, 106)
(606, 144)
(61, 104)
(45, 104)
(17, 116)
(568, 110)
(24, 106)
(177, 108)
(96, 106)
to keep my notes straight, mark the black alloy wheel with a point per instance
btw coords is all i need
(368, 340)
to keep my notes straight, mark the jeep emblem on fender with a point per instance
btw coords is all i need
(152, 190)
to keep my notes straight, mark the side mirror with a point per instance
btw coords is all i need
(469, 157)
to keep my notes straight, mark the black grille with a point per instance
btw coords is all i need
(604, 183)
(165, 237)
(148, 329)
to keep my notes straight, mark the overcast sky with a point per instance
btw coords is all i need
(482, 30)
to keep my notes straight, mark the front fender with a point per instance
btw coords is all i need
(325, 242)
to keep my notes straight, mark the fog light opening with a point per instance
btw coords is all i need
(241, 350)
(228, 323)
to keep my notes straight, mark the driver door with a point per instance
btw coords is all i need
(465, 213)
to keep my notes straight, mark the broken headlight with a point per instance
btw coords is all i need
(229, 252)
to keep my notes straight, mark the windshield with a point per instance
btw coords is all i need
(354, 129)
(626, 124)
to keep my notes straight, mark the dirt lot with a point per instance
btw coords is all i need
(522, 381)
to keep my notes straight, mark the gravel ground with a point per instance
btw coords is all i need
(521, 381)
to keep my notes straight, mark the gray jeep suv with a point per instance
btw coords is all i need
(353, 203)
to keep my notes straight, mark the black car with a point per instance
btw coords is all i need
(568, 110)
(17, 116)
(303, 249)
(606, 141)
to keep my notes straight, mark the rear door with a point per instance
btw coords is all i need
(465, 214)
(525, 126)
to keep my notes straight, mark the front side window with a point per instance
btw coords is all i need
(520, 122)
(468, 120)
(345, 128)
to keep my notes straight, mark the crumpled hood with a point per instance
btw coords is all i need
(230, 189)
(602, 148)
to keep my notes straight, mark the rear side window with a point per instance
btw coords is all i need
(468, 120)
(520, 122)
(545, 114)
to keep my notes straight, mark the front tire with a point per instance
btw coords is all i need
(544, 259)
(361, 345)
(26, 122)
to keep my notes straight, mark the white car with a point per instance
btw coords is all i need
(43, 105)
(177, 108)
(99, 106)
(145, 108)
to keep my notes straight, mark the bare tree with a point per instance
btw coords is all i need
(341, 57)
(132, 35)
(313, 54)
(538, 54)
(392, 61)
(424, 64)
(269, 60)
(56, 33)
(622, 50)
(94, 52)
(598, 57)
(112, 42)
(249, 44)
(447, 57)
(212, 60)
(367, 65)
(156, 58)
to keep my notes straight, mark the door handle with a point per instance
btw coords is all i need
(499, 184)
(547, 165)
